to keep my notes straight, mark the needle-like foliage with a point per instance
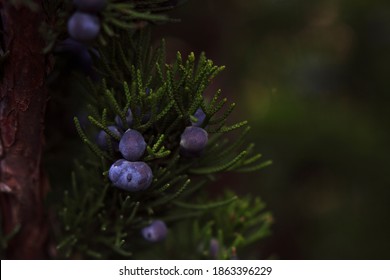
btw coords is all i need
(101, 221)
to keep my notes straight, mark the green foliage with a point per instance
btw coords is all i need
(118, 16)
(101, 221)
(234, 222)
(126, 15)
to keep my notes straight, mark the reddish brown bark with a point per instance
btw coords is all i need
(22, 107)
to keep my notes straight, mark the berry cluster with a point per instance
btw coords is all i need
(84, 24)
(194, 138)
(130, 174)
(127, 173)
(83, 27)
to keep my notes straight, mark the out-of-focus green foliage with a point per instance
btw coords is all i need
(314, 76)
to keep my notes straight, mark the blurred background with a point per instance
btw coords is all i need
(312, 77)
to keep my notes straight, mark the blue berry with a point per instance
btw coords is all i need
(132, 145)
(130, 176)
(70, 45)
(129, 119)
(83, 26)
(200, 115)
(102, 138)
(156, 231)
(193, 141)
(91, 6)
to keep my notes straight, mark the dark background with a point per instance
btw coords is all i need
(312, 77)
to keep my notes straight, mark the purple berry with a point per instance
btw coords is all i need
(83, 26)
(130, 176)
(71, 46)
(156, 231)
(101, 138)
(132, 145)
(193, 141)
(200, 115)
(91, 6)
(77, 55)
(214, 248)
(129, 119)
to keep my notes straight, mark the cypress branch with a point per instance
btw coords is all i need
(213, 110)
(225, 115)
(108, 30)
(219, 168)
(252, 159)
(168, 198)
(232, 147)
(115, 105)
(171, 93)
(205, 206)
(103, 127)
(133, 212)
(121, 24)
(158, 143)
(175, 92)
(229, 128)
(256, 167)
(164, 188)
(92, 146)
(190, 191)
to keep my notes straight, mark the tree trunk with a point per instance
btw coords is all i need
(23, 99)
